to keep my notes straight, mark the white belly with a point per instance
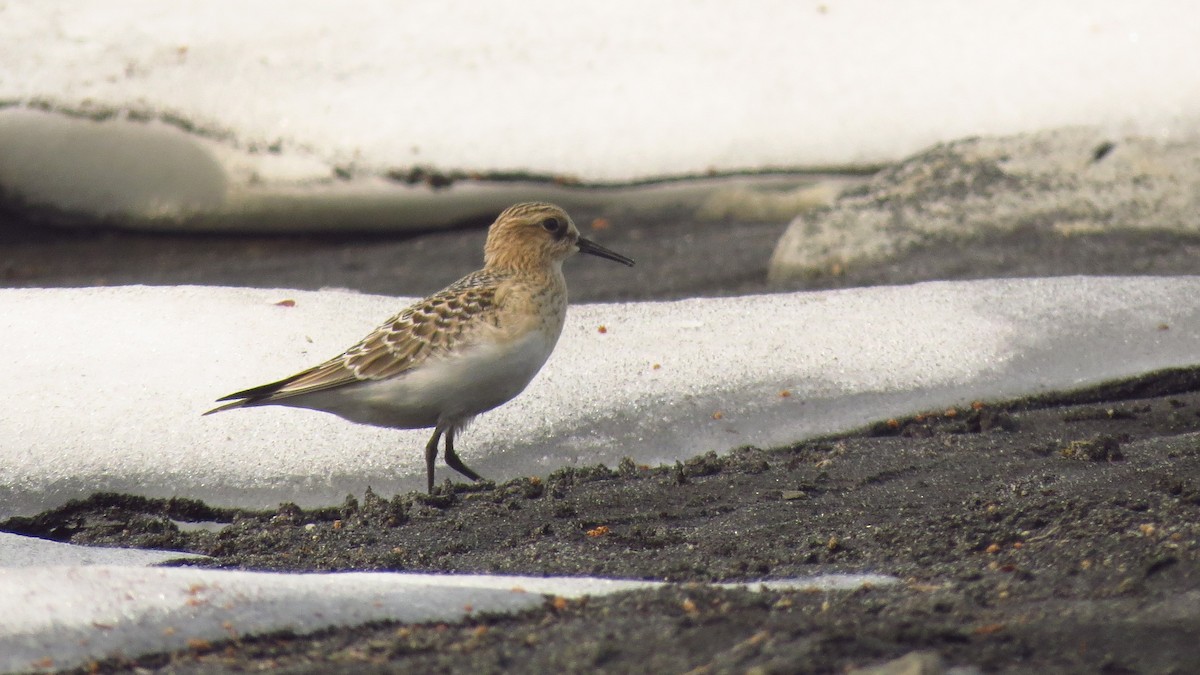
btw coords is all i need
(451, 389)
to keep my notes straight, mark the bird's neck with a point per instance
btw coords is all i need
(551, 271)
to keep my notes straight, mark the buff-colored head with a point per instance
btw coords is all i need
(536, 235)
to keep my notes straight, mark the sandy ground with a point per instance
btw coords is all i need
(1052, 535)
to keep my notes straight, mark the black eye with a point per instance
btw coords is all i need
(551, 224)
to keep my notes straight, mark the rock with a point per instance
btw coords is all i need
(1055, 184)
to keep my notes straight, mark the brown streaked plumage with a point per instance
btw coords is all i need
(464, 350)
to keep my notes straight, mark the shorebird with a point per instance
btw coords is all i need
(464, 350)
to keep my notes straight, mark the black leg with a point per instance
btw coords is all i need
(431, 456)
(454, 462)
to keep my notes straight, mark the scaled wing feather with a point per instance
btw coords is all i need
(443, 322)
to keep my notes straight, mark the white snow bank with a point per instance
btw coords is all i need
(613, 91)
(104, 386)
(61, 617)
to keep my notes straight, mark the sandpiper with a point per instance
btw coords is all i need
(464, 350)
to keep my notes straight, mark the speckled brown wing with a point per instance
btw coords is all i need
(447, 320)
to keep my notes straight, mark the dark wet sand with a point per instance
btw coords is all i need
(1058, 535)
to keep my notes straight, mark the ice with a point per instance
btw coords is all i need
(272, 94)
(61, 617)
(18, 551)
(105, 386)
